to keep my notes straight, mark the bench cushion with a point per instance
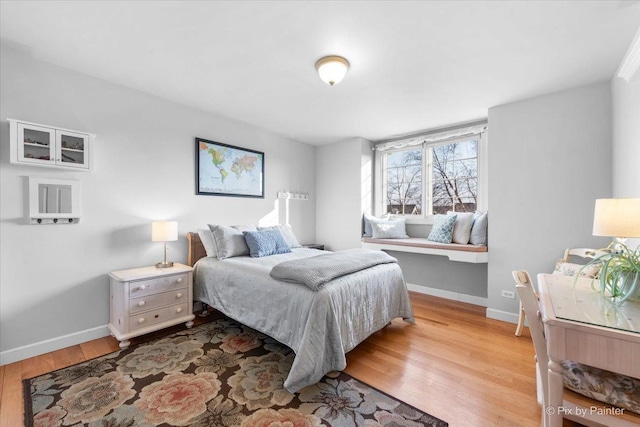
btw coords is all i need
(420, 242)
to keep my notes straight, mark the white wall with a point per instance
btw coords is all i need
(343, 187)
(54, 277)
(549, 159)
(626, 139)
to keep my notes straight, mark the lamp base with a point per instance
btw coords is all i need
(164, 265)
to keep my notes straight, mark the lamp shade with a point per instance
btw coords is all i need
(332, 69)
(164, 231)
(617, 218)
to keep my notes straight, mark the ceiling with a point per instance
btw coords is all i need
(414, 65)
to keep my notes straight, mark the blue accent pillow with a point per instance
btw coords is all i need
(368, 231)
(479, 229)
(265, 242)
(442, 229)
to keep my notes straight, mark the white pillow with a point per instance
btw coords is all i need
(287, 234)
(207, 241)
(366, 219)
(228, 241)
(245, 227)
(462, 227)
(388, 228)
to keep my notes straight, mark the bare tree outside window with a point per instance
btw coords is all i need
(452, 174)
(455, 177)
(404, 182)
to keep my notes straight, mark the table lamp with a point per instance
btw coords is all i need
(164, 231)
(618, 218)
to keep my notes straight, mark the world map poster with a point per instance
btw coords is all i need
(225, 170)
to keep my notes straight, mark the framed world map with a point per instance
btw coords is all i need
(225, 170)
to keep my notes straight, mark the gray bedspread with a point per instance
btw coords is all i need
(319, 326)
(318, 270)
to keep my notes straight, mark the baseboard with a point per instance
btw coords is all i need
(53, 344)
(448, 294)
(505, 316)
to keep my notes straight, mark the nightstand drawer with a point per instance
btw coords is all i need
(161, 284)
(145, 319)
(150, 302)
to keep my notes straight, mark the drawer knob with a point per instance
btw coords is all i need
(141, 320)
(143, 287)
(141, 303)
(179, 280)
(179, 310)
(179, 295)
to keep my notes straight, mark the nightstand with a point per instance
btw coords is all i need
(147, 299)
(314, 246)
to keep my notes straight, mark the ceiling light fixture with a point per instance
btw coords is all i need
(332, 69)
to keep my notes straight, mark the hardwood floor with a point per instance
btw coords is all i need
(454, 363)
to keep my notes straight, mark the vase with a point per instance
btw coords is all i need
(627, 287)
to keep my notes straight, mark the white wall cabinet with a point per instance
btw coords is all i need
(44, 145)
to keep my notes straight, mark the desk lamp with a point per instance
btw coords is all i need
(617, 218)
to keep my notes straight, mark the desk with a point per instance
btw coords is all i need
(584, 326)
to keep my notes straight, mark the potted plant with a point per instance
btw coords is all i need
(620, 272)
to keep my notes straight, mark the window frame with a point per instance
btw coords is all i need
(427, 196)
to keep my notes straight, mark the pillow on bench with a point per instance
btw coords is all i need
(442, 229)
(462, 227)
(479, 229)
(388, 228)
(366, 219)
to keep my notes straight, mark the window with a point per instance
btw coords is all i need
(431, 178)
(403, 175)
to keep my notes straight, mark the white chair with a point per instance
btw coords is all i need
(567, 268)
(586, 253)
(600, 381)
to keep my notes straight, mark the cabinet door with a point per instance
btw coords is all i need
(36, 144)
(72, 149)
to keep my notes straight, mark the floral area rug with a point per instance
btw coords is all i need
(217, 374)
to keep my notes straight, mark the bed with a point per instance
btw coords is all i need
(319, 326)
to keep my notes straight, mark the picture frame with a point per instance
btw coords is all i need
(228, 170)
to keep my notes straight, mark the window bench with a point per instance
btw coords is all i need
(418, 245)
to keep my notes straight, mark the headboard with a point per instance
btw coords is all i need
(196, 248)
